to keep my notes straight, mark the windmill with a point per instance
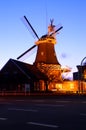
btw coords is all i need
(46, 60)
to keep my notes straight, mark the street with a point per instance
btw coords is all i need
(43, 113)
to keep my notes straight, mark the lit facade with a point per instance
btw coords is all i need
(80, 76)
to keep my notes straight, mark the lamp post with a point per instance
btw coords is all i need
(81, 85)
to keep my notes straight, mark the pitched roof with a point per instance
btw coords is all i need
(21, 70)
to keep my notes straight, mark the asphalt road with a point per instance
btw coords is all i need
(35, 113)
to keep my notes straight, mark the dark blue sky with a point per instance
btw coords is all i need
(15, 38)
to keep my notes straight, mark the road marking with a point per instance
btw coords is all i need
(20, 100)
(3, 119)
(16, 109)
(49, 105)
(37, 100)
(40, 124)
(63, 101)
(83, 114)
(84, 102)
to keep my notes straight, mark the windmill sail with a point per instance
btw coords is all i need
(51, 33)
(26, 52)
(30, 27)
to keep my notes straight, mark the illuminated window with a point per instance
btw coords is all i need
(84, 74)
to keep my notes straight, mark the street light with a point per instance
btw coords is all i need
(83, 60)
(81, 86)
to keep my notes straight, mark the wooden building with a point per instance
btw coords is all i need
(20, 76)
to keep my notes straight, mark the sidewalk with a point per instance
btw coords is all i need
(39, 94)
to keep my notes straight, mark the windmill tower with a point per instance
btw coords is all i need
(46, 51)
(46, 60)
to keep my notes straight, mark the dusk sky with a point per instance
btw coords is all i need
(15, 38)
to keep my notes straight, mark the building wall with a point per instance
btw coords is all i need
(65, 86)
